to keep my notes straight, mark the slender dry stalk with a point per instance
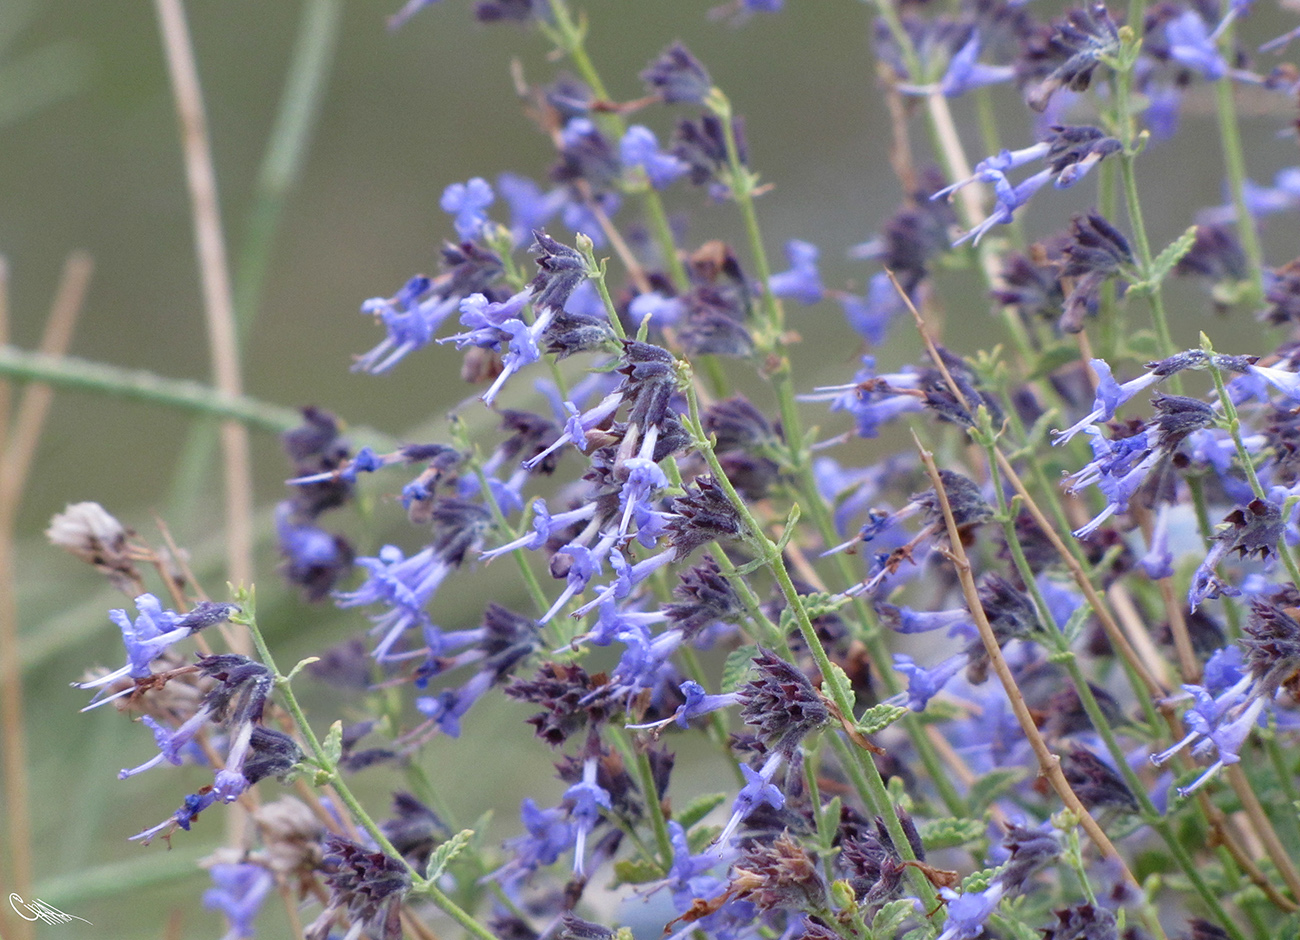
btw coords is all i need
(29, 419)
(19, 438)
(218, 301)
(1049, 764)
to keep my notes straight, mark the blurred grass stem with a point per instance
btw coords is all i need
(214, 276)
(19, 437)
(310, 65)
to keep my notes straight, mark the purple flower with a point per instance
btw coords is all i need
(802, 282)
(239, 892)
(965, 73)
(1191, 45)
(677, 77)
(924, 684)
(1110, 395)
(467, 201)
(152, 631)
(640, 148)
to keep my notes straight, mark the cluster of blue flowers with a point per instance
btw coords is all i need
(830, 617)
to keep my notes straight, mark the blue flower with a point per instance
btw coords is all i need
(411, 319)
(1218, 725)
(404, 585)
(870, 316)
(586, 799)
(965, 72)
(1288, 383)
(906, 620)
(544, 527)
(757, 791)
(697, 702)
(1110, 395)
(239, 892)
(467, 201)
(968, 912)
(183, 818)
(802, 282)
(1008, 199)
(1191, 44)
(640, 148)
(924, 684)
(152, 631)
(530, 208)
(549, 834)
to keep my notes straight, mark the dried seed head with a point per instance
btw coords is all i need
(1096, 785)
(88, 531)
(964, 499)
(779, 875)
(1272, 643)
(291, 836)
(781, 703)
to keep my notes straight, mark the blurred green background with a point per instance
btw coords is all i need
(89, 159)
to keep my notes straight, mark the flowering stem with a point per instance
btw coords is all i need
(771, 341)
(248, 617)
(570, 39)
(645, 776)
(1128, 173)
(876, 794)
(1233, 422)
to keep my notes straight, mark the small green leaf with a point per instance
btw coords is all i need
(892, 916)
(987, 788)
(302, 664)
(637, 871)
(737, 667)
(1173, 253)
(333, 743)
(698, 808)
(879, 717)
(1053, 358)
(1074, 626)
(1143, 344)
(950, 832)
(839, 680)
(444, 853)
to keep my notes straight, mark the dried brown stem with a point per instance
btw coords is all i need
(214, 276)
(1048, 763)
(20, 438)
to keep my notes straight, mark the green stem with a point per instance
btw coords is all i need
(571, 40)
(80, 375)
(1141, 243)
(876, 792)
(358, 812)
(1233, 422)
(1234, 165)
